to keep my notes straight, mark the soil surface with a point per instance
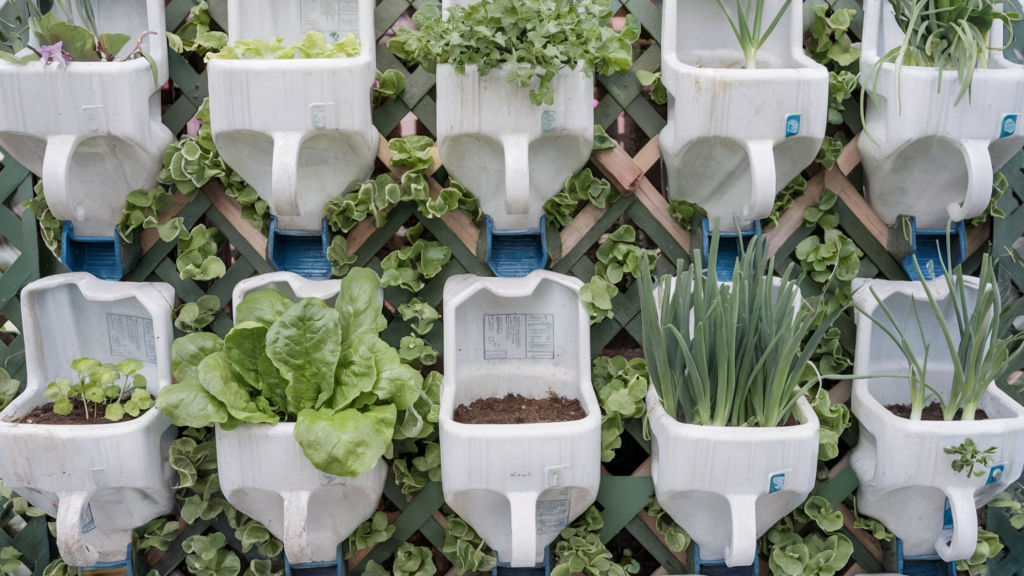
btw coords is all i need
(516, 409)
(932, 411)
(44, 415)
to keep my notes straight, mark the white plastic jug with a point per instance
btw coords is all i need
(264, 473)
(727, 486)
(933, 160)
(92, 131)
(736, 137)
(103, 480)
(906, 481)
(299, 131)
(518, 486)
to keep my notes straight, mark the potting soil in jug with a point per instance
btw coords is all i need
(932, 411)
(45, 415)
(516, 409)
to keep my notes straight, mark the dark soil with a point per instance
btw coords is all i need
(932, 412)
(44, 415)
(516, 409)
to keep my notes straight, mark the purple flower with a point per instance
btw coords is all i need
(193, 126)
(55, 53)
(596, 102)
(376, 83)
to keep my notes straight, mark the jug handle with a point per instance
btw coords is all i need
(979, 180)
(761, 154)
(285, 173)
(296, 515)
(523, 507)
(965, 527)
(742, 547)
(517, 173)
(56, 174)
(70, 536)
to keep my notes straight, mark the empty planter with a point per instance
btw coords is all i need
(727, 486)
(92, 131)
(906, 481)
(264, 473)
(736, 137)
(299, 131)
(518, 485)
(99, 480)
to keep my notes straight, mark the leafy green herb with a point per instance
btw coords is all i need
(618, 258)
(685, 213)
(791, 555)
(602, 141)
(409, 266)
(412, 152)
(747, 27)
(970, 455)
(526, 38)
(312, 45)
(822, 213)
(388, 85)
(834, 419)
(582, 187)
(829, 39)
(195, 35)
(104, 385)
(373, 531)
(197, 250)
(140, 211)
(50, 228)
(210, 556)
(8, 389)
(422, 312)
(652, 80)
(466, 548)
(194, 316)
(337, 254)
(840, 89)
(785, 199)
(676, 538)
(579, 549)
(834, 257)
(621, 387)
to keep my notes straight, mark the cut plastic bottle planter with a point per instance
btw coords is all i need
(727, 486)
(99, 480)
(906, 481)
(736, 137)
(518, 485)
(264, 473)
(299, 131)
(92, 132)
(934, 161)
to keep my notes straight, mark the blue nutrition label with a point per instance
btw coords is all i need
(519, 336)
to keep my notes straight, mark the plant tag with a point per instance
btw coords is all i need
(131, 337)
(87, 521)
(777, 481)
(995, 473)
(553, 511)
(519, 337)
(792, 125)
(1008, 127)
(332, 18)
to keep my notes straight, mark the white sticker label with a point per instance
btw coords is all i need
(519, 336)
(333, 18)
(553, 511)
(131, 337)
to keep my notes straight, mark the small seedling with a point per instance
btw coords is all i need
(104, 385)
(970, 456)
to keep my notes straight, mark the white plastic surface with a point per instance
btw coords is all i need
(518, 485)
(905, 478)
(264, 473)
(99, 481)
(722, 484)
(933, 160)
(727, 145)
(92, 131)
(299, 131)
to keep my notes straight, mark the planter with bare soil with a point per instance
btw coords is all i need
(87, 343)
(520, 423)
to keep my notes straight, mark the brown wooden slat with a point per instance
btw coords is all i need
(836, 181)
(863, 536)
(850, 157)
(648, 155)
(580, 225)
(619, 168)
(647, 194)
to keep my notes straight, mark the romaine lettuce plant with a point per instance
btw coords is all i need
(526, 38)
(312, 45)
(102, 385)
(326, 369)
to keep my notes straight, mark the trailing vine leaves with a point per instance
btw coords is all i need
(50, 228)
(579, 549)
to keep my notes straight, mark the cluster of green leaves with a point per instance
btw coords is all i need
(676, 538)
(195, 34)
(157, 534)
(652, 80)
(579, 550)
(8, 388)
(412, 475)
(57, 567)
(840, 89)
(14, 31)
(820, 511)
(834, 420)
(602, 141)
(105, 385)
(785, 199)
(197, 249)
(210, 556)
(582, 187)
(17, 504)
(685, 213)
(389, 84)
(410, 560)
(409, 266)
(466, 548)
(50, 228)
(999, 187)
(140, 211)
(829, 358)
(10, 563)
(989, 546)
(337, 255)
(373, 531)
(968, 456)
(416, 352)
(528, 38)
(423, 313)
(621, 386)
(312, 45)
(832, 256)
(618, 260)
(829, 40)
(831, 148)
(813, 555)
(194, 316)
(876, 528)
(326, 369)
(417, 454)
(1012, 505)
(822, 213)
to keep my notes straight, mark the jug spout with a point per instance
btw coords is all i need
(285, 170)
(517, 174)
(762, 179)
(74, 521)
(742, 547)
(56, 174)
(523, 506)
(979, 180)
(296, 514)
(965, 527)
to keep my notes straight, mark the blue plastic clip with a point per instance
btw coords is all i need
(728, 248)
(542, 569)
(115, 565)
(304, 253)
(927, 565)
(929, 245)
(102, 256)
(718, 567)
(516, 253)
(334, 567)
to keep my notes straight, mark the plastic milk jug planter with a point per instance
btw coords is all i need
(299, 131)
(727, 486)
(736, 137)
(935, 161)
(101, 480)
(264, 473)
(906, 481)
(518, 485)
(92, 131)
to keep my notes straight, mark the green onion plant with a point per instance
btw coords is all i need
(740, 363)
(747, 27)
